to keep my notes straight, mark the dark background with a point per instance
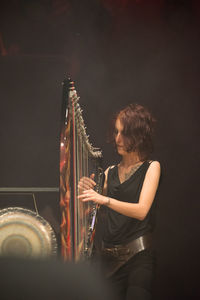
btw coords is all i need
(117, 52)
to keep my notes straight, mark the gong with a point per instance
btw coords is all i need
(26, 234)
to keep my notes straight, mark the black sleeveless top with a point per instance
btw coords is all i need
(117, 228)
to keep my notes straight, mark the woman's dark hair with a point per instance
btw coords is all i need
(138, 129)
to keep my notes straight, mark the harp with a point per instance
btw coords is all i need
(78, 159)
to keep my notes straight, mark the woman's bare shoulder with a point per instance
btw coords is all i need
(110, 167)
(154, 163)
(154, 167)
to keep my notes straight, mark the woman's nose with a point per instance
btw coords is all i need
(118, 137)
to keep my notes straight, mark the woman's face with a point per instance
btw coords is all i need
(119, 139)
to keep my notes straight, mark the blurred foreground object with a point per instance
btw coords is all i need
(50, 279)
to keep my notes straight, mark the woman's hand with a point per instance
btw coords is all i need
(91, 195)
(86, 183)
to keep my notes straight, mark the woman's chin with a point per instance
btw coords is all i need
(120, 151)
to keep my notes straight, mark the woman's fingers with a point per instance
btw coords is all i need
(85, 196)
(86, 183)
(87, 180)
(88, 195)
(92, 176)
(91, 195)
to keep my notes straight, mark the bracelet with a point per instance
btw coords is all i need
(108, 202)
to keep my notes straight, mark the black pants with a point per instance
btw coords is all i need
(134, 280)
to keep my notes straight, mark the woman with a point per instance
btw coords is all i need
(126, 217)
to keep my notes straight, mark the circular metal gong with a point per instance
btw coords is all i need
(24, 233)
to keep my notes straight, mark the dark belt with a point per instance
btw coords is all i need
(120, 254)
